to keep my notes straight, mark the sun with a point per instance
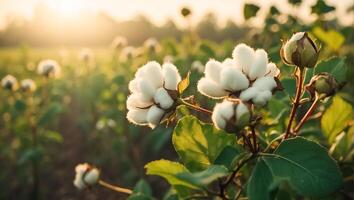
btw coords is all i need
(67, 8)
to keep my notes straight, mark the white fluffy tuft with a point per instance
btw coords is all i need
(248, 94)
(211, 89)
(212, 70)
(163, 99)
(243, 55)
(154, 116)
(262, 98)
(272, 70)
(233, 80)
(171, 75)
(265, 83)
(137, 116)
(259, 65)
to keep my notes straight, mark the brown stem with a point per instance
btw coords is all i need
(254, 138)
(232, 176)
(115, 188)
(197, 108)
(299, 80)
(307, 115)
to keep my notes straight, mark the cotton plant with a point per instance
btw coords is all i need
(215, 149)
(49, 68)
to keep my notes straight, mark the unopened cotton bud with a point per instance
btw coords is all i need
(233, 80)
(249, 94)
(9, 82)
(86, 175)
(28, 85)
(323, 84)
(244, 56)
(272, 70)
(171, 75)
(259, 65)
(300, 50)
(212, 70)
(154, 116)
(137, 116)
(211, 89)
(265, 83)
(262, 98)
(163, 99)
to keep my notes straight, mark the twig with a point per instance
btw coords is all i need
(115, 188)
(197, 108)
(307, 115)
(299, 80)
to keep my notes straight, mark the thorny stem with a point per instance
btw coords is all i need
(115, 188)
(299, 75)
(307, 115)
(195, 107)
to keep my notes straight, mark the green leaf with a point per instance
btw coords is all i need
(250, 10)
(289, 85)
(295, 2)
(204, 178)
(168, 170)
(336, 118)
(142, 187)
(52, 111)
(183, 85)
(335, 66)
(332, 38)
(321, 8)
(343, 144)
(303, 163)
(229, 157)
(139, 196)
(199, 144)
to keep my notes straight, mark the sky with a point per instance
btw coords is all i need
(159, 10)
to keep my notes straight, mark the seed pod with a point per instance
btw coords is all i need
(9, 82)
(323, 84)
(300, 51)
(86, 175)
(28, 85)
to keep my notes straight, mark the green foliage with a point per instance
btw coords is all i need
(199, 144)
(332, 38)
(250, 10)
(321, 8)
(303, 163)
(336, 118)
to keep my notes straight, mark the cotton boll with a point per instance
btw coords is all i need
(163, 99)
(211, 89)
(147, 90)
(171, 75)
(259, 65)
(153, 73)
(212, 70)
(262, 98)
(48, 68)
(154, 116)
(222, 113)
(248, 94)
(135, 101)
(138, 116)
(9, 82)
(28, 85)
(86, 175)
(272, 70)
(265, 83)
(233, 80)
(242, 115)
(134, 85)
(243, 55)
(92, 176)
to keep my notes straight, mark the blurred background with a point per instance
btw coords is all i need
(80, 116)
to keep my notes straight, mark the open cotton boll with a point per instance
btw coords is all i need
(86, 175)
(171, 75)
(134, 85)
(154, 116)
(138, 116)
(272, 70)
(243, 55)
(222, 113)
(163, 99)
(233, 80)
(147, 90)
(248, 94)
(212, 70)
(135, 101)
(211, 89)
(265, 83)
(228, 62)
(153, 73)
(262, 98)
(259, 65)
(241, 109)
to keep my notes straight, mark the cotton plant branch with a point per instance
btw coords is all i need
(115, 188)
